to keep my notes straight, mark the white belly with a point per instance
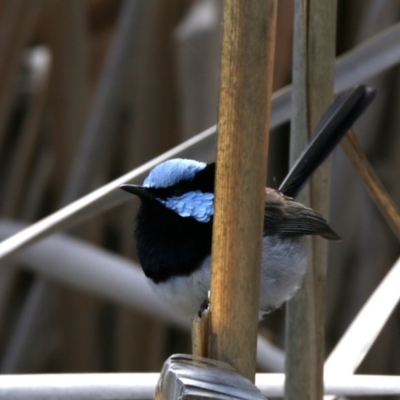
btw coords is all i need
(283, 266)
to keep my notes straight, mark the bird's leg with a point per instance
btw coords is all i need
(204, 305)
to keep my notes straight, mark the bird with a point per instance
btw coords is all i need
(173, 225)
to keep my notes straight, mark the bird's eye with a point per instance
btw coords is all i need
(177, 192)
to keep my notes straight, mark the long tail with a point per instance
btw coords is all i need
(336, 121)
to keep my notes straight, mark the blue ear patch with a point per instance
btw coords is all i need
(196, 204)
(172, 171)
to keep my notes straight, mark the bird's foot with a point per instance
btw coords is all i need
(203, 307)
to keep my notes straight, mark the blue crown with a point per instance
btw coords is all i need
(172, 171)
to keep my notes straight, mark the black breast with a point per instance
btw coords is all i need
(168, 244)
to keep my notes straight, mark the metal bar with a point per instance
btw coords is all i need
(361, 334)
(272, 385)
(141, 386)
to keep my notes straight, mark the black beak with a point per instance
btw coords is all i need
(137, 190)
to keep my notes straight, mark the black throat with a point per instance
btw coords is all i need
(168, 244)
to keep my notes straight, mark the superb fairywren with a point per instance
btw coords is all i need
(174, 222)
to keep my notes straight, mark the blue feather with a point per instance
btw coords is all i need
(172, 171)
(196, 204)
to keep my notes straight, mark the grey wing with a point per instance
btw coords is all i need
(285, 217)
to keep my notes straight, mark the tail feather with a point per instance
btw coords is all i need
(336, 121)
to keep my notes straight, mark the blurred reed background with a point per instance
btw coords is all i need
(90, 89)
